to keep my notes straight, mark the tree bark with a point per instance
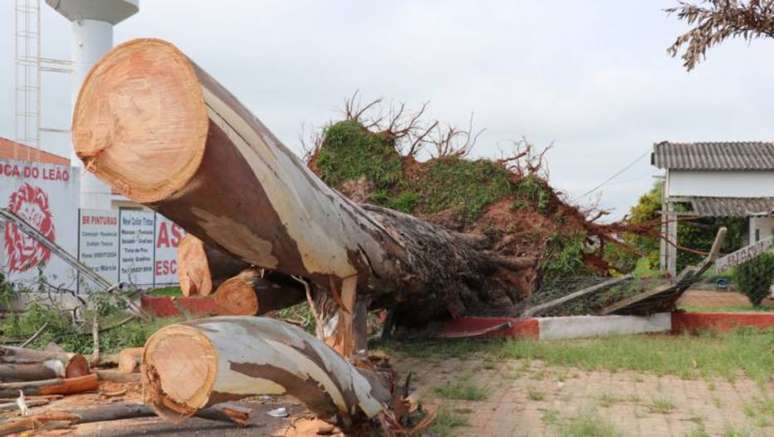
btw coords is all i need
(202, 268)
(66, 419)
(249, 294)
(228, 358)
(164, 133)
(55, 386)
(31, 372)
(74, 364)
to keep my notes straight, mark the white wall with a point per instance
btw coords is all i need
(764, 227)
(720, 183)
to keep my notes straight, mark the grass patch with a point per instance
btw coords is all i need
(732, 431)
(728, 309)
(446, 421)
(535, 395)
(166, 291)
(661, 406)
(608, 400)
(760, 411)
(462, 389)
(728, 355)
(587, 425)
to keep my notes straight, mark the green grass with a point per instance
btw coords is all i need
(760, 411)
(727, 355)
(461, 389)
(446, 421)
(166, 291)
(661, 406)
(587, 425)
(732, 431)
(608, 400)
(728, 309)
(534, 394)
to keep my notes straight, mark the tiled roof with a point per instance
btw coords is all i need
(19, 152)
(751, 155)
(731, 206)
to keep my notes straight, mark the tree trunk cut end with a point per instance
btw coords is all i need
(179, 369)
(237, 297)
(140, 122)
(193, 267)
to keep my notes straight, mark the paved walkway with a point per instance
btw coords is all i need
(526, 398)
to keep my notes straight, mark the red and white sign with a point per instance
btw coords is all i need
(46, 196)
(168, 235)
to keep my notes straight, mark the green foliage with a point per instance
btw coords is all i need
(462, 185)
(754, 277)
(532, 190)
(696, 234)
(351, 151)
(77, 337)
(564, 260)
(6, 291)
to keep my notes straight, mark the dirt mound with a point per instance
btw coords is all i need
(509, 200)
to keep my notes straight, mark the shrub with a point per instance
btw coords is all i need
(754, 277)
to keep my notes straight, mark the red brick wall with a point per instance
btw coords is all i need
(13, 150)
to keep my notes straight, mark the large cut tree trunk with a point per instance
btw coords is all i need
(202, 268)
(163, 132)
(251, 294)
(199, 363)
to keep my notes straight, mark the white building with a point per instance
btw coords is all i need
(715, 179)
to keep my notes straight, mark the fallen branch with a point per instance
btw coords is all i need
(35, 335)
(54, 386)
(66, 419)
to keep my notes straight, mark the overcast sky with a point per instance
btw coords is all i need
(593, 78)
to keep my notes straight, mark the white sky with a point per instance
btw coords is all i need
(591, 77)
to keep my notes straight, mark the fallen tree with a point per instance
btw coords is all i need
(54, 386)
(228, 358)
(164, 133)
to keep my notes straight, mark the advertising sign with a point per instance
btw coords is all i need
(136, 246)
(168, 236)
(44, 195)
(98, 243)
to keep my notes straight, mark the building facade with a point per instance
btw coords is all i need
(714, 179)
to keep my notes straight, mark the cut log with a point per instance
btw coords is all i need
(55, 386)
(199, 363)
(65, 419)
(202, 268)
(116, 376)
(248, 294)
(74, 364)
(31, 372)
(129, 360)
(160, 130)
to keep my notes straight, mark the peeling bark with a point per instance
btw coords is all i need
(164, 133)
(199, 363)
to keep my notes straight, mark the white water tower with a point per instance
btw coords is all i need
(92, 24)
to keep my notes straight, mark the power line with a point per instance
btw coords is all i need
(618, 173)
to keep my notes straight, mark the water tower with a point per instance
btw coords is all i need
(92, 24)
